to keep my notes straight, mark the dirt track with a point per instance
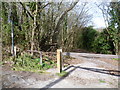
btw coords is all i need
(89, 71)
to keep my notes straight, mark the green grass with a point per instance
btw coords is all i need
(111, 83)
(102, 81)
(1, 63)
(115, 58)
(28, 63)
(62, 74)
(28, 69)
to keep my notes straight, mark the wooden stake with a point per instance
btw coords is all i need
(59, 60)
(15, 51)
(40, 58)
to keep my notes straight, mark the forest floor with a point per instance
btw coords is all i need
(83, 71)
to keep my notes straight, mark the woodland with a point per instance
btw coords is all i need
(47, 26)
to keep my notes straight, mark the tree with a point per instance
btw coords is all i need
(114, 24)
(111, 16)
(60, 19)
(43, 25)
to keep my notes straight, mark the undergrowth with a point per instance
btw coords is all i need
(27, 63)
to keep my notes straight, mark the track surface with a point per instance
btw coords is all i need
(93, 71)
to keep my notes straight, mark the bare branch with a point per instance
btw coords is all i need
(28, 12)
(63, 14)
(46, 5)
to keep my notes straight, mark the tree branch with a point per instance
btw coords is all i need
(45, 5)
(27, 11)
(63, 14)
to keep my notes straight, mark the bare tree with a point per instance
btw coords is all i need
(60, 18)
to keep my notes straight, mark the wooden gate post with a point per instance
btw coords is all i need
(59, 60)
(40, 57)
(15, 51)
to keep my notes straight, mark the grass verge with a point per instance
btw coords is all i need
(102, 81)
(62, 74)
(28, 63)
(115, 58)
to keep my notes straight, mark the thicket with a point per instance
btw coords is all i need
(94, 41)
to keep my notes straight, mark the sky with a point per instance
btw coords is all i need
(97, 20)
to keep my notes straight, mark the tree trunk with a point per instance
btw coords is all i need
(34, 27)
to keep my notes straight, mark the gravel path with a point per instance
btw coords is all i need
(92, 72)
